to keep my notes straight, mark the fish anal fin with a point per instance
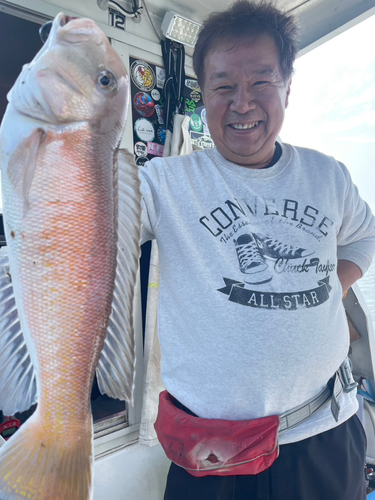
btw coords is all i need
(116, 368)
(18, 388)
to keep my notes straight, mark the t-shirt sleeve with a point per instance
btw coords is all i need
(356, 238)
(150, 189)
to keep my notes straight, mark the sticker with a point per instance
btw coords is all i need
(142, 75)
(192, 84)
(144, 130)
(206, 130)
(155, 94)
(160, 77)
(140, 149)
(196, 123)
(141, 160)
(159, 112)
(162, 134)
(204, 116)
(144, 104)
(204, 142)
(153, 148)
(190, 106)
(196, 96)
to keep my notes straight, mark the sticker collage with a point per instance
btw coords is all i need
(147, 97)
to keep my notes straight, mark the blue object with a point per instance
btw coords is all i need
(371, 496)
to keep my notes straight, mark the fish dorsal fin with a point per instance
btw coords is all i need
(18, 390)
(22, 164)
(116, 368)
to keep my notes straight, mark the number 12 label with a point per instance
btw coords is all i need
(116, 19)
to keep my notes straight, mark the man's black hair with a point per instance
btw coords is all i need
(246, 20)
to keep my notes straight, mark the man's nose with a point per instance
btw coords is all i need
(243, 101)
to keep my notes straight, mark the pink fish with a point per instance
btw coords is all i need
(72, 223)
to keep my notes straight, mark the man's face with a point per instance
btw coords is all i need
(245, 97)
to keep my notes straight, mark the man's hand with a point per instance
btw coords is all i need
(348, 274)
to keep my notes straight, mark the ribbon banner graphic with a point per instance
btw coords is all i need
(289, 301)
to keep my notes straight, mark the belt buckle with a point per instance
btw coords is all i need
(347, 377)
(336, 393)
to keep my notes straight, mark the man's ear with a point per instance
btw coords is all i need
(287, 94)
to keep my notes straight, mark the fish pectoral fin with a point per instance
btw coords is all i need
(22, 164)
(18, 390)
(116, 368)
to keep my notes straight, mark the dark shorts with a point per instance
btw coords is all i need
(329, 466)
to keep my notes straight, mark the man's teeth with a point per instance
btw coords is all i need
(244, 126)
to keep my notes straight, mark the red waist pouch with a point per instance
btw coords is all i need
(212, 447)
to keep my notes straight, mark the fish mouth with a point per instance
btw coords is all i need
(76, 30)
(61, 21)
(65, 19)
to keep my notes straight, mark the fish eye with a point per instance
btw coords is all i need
(107, 80)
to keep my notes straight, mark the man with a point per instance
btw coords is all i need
(258, 241)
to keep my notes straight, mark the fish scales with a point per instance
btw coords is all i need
(66, 249)
(62, 206)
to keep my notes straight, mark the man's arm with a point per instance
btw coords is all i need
(348, 274)
(356, 237)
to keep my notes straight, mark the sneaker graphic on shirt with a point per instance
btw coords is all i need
(251, 261)
(273, 249)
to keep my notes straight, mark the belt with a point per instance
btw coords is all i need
(342, 381)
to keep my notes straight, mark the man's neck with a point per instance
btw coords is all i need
(276, 156)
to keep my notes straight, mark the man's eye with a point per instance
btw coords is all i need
(224, 87)
(261, 83)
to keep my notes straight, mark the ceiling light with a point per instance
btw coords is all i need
(180, 29)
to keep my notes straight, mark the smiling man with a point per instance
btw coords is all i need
(258, 240)
(245, 95)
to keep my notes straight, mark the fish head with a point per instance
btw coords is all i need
(76, 77)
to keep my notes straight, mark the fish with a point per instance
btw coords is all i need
(72, 211)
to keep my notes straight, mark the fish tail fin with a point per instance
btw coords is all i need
(35, 465)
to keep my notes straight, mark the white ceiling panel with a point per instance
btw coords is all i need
(200, 9)
(319, 19)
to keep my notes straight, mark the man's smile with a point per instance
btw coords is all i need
(244, 126)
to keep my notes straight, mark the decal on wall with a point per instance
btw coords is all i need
(141, 160)
(147, 98)
(162, 134)
(194, 107)
(140, 149)
(155, 149)
(196, 123)
(142, 75)
(192, 84)
(148, 117)
(160, 77)
(155, 94)
(144, 130)
(144, 104)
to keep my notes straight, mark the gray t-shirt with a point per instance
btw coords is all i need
(250, 314)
